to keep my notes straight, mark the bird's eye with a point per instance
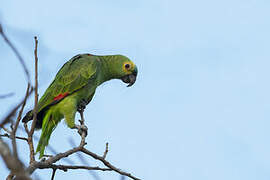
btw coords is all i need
(127, 66)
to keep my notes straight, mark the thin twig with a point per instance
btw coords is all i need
(106, 163)
(30, 134)
(16, 53)
(83, 161)
(17, 137)
(10, 115)
(13, 133)
(49, 162)
(67, 167)
(36, 89)
(106, 151)
(53, 174)
(12, 161)
(13, 111)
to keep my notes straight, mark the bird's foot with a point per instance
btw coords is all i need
(81, 106)
(81, 129)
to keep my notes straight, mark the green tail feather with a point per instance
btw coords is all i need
(48, 125)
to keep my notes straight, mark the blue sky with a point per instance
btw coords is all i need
(200, 106)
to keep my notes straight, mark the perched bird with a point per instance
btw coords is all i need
(74, 86)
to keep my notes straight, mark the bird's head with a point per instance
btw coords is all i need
(125, 69)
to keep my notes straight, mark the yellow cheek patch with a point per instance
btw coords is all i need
(131, 66)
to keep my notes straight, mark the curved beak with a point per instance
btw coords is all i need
(131, 78)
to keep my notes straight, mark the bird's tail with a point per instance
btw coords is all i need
(48, 125)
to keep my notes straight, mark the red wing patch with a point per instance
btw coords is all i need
(89, 54)
(60, 96)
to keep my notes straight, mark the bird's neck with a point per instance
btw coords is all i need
(106, 64)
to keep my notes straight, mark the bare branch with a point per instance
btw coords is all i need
(10, 115)
(67, 167)
(34, 165)
(106, 163)
(11, 160)
(30, 134)
(83, 161)
(15, 165)
(13, 133)
(16, 53)
(36, 89)
(30, 144)
(49, 163)
(13, 111)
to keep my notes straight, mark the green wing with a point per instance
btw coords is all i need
(73, 75)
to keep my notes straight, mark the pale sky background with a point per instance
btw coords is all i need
(200, 106)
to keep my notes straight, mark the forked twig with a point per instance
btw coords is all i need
(49, 163)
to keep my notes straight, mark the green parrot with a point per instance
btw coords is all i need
(74, 86)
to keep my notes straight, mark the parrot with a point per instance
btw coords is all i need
(74, 87)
